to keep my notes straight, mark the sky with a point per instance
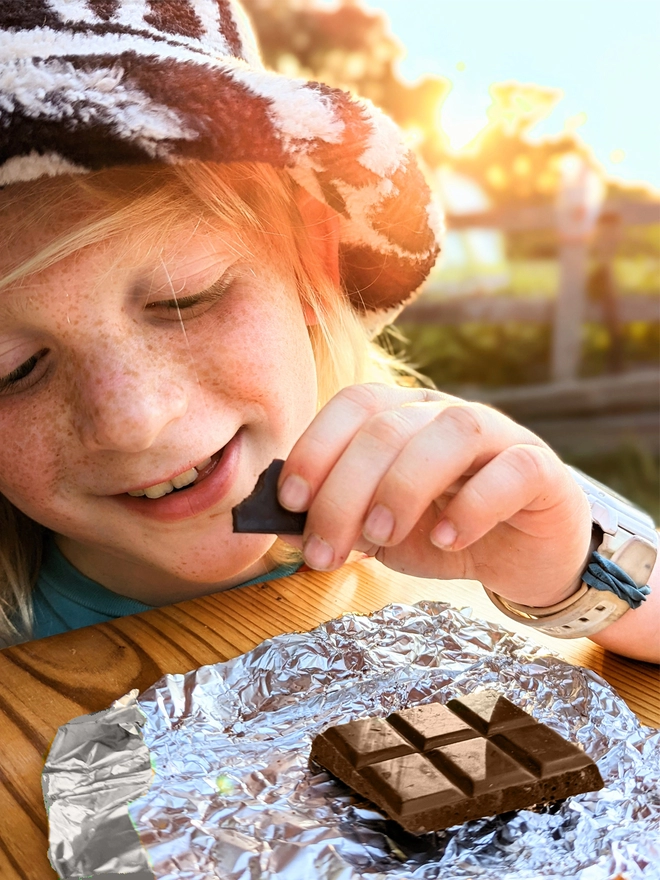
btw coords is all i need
(604, 55)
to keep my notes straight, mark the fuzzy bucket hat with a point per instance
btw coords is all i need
(92, 84)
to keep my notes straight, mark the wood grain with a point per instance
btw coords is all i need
(46, 683)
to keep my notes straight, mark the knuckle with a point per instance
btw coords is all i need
(390, 428)
(476, 497)
(403, 487)
(330, 511)
(464, 418)
(367, 396)
(315, 449)
(530, 462)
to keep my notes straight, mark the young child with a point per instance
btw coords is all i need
(196, 256)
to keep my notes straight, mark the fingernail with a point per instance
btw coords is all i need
(294, 493)
(444, 535)
(318, 553)
(379, 525)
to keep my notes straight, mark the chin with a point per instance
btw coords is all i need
(213, 572)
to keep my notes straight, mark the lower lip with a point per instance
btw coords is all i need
(194, 500)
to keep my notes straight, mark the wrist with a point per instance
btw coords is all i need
(615, 576)
(574, 585)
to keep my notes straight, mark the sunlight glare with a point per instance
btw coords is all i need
(461, 130)
(576, 121)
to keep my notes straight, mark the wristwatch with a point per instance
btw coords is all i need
(625, 545)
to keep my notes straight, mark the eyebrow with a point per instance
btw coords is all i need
(13, 306)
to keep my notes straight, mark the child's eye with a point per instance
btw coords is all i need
(24, 376)
(188, 306)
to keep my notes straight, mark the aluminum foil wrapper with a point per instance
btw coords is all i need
(207, 775)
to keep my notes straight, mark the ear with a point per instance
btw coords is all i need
(323, 230)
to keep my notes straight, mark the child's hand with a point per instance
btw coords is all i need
(435, 486)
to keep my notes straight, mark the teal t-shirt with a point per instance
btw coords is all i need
(64, 599)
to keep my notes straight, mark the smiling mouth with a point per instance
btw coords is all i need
(182, 481)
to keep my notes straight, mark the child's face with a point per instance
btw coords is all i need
(115, 390)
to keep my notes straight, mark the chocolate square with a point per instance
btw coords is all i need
(433, 766)
(261, 513)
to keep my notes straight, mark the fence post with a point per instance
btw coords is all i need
(577, 210)
(609, 234)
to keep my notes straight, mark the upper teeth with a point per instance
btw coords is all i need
(178, 482)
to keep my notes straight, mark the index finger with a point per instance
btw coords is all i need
(330, 433)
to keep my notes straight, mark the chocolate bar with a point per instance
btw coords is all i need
(433, 766)
(261, 513)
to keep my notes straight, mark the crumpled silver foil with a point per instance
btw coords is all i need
(233, 797)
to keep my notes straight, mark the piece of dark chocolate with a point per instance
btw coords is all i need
(433, 766)
(261, 513)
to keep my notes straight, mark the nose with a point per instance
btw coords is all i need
(123, 403)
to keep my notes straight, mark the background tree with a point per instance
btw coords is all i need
(349, 47)
(509, 167)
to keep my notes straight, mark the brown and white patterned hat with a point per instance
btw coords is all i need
(92, 84)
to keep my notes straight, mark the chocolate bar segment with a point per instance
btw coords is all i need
(433, 766)
(489, 712)
(541, 750)
(431, 725)
(262, 514)
(477, 766)
(368, 741)
(411, 784)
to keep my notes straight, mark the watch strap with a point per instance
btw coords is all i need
(616, 576)
(590, 609)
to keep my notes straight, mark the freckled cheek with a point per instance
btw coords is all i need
(269, 364)
(32, 457)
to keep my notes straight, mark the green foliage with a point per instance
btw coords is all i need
(532, 244)
(630, 470)
(637, 242)
(511, 169)
(533, 278)
(487, 355)
(640, 274)
(640, 241)
(349, 47)
(539, 278)
(515, 353)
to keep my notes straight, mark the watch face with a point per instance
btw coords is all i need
(582, 478)
(629, 516)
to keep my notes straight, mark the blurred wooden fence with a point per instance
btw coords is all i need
(496, 309)
(586, 416)
(570, 308)
(573, 415)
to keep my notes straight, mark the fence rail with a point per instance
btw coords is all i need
(637, 390)
(591, 415)
(546, 216)
(573, 415)
(496, 309)
(582, 231)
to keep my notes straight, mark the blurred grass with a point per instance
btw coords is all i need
(630, 470)
(540, 277)
(638, 275)
(514, 353)
(484, 355)
(492, 356)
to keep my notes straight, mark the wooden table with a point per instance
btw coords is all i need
(44, 684)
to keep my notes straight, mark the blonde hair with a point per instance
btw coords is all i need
(255, 200)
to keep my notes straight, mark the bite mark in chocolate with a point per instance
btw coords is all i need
(433, 766)
(261, 513)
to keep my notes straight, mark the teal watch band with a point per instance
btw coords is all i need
(616, 576)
